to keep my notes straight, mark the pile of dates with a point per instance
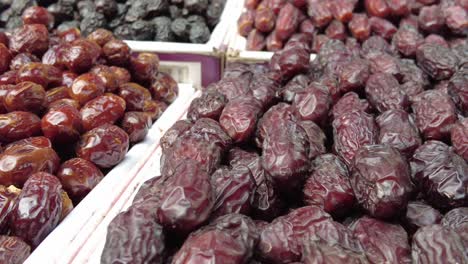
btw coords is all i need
(269, 24)
(159, 20)
(359, 156)
(70, 108)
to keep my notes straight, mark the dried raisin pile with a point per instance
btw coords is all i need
(190, 21)
(358, 156)
(407, 24)
(70, 109)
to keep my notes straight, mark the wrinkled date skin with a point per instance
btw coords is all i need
(316, 138)
(233, 190)
(286, 155)
(42, 74)
(312, 104)
(266, 204)
(14, 250)
(134, 95)
(375, 169)
(281, 240)
(104, 146)
(351, 131)
(348, 103)
(211, 131)
(79, 177)
(191, 147)
(291, 61)
(383, 242)
(144, 66)
(438, 244)
(25, 96)
(62, 124)
(435, 113)
(105, 109)
(384, 93)
(459, 137)
(108, 77)
(25, 157)
(164, 88)
(269, 121)
(209, 105)
(437, 61)
(397, 128)
(332, 243)
(136, 125)
(171, 135)
(186, 199)
(239, 118)
(134, 236)
(32, 39)
(86, 87)
(18, 125)
(229, 239)
(287, 21)
(440, 174)
(457, 219)
(38, 208)
(419, 214)
(329, 186)
(55, 94)
(8, 198)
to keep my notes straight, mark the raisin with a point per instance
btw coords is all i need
(353, 75)
(382, 242)
(184, 210)
(457, 87)
(38, 209)
(371, 167)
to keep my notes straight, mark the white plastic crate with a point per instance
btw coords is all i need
(63, 244)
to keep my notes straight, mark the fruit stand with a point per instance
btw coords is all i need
(232, 131)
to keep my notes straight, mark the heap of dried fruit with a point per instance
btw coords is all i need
(70, 108)
(357, 157)
(160, 20)
(269, 24)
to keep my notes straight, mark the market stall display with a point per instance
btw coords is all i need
(70, 109)
(268, 25)
(161, 20)
(355, 157)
